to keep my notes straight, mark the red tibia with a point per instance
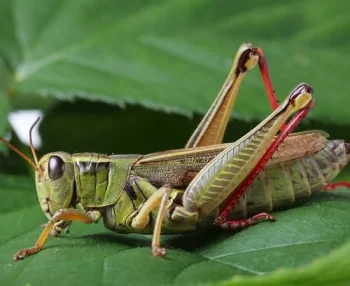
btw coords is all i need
(243, 223)
(264, 70)
(224, 214)
(266, 78)
(333, 186)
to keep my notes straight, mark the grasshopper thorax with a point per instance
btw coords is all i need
(55, 182)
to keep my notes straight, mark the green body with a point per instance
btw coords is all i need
(126, 191)
(118, 185)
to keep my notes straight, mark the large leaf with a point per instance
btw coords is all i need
(170, 56)
(173, 55)
(321, 272)
(92, 256)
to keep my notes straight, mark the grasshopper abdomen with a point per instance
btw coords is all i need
(279, 185)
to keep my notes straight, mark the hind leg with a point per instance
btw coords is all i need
(244, 223)
(333, 186)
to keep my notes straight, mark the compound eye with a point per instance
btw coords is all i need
(56, 167)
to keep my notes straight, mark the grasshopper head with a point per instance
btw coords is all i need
(55, 182)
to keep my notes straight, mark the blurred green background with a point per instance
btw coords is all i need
(136, 77)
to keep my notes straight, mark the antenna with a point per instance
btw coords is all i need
(31, 141)
(35, 164)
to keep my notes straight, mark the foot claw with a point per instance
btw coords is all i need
(19, 256)
(25, 252)
(271, 218)
(158, 251)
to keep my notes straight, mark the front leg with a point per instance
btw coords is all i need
(65, 215)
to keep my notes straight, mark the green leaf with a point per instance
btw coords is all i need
(91, 255)
(332, 270)
(167, 56)
(173, 55)
(108, 129)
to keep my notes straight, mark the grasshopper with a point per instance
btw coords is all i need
(204, 184)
